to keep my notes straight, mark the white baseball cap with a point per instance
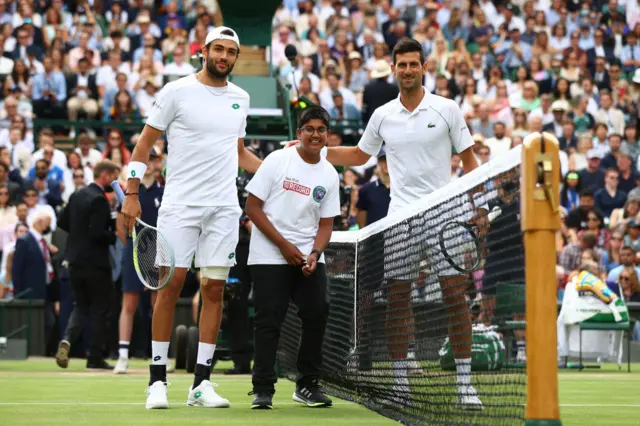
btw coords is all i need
(217, 35)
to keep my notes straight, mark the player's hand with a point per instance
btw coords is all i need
(131, 210)
(291, 253)
(310, 267)
(292, 143)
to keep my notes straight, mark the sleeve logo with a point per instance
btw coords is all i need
(318, 193)
(235, 106)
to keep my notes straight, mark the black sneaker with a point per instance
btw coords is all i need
(262, 400)
(311, 396)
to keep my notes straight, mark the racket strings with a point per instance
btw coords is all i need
(152, 258)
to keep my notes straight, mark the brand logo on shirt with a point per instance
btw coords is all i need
(235, 106)
(231, 255)
(288, 185)
(431, 126)
(318, 193)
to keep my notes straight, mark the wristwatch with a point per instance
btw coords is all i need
(318, 252)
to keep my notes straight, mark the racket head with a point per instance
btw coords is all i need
(460, 246)
(153, 257)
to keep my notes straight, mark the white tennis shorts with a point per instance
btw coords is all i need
(413, 246)
(211, 233)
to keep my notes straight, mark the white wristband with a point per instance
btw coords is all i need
(323, 152)
(136, 170)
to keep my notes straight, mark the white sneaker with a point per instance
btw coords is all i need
(157, 396)
(205, 396)
(468, 398)
(121, 366)
(171, 367)
(521, 356)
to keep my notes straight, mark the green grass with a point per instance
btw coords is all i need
(36, 392)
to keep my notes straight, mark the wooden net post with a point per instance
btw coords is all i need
(540, 198)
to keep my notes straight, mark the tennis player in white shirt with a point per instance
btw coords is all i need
(204, 117)
(419, 130)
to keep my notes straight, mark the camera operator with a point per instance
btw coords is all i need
(237, 305)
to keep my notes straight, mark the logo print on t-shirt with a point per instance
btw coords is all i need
(318, 193)
(235, 106)
(296, 187)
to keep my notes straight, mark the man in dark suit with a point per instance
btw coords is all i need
(82, 92)
(378, 91)
(26, 42)
(32, 267)
(87, 219)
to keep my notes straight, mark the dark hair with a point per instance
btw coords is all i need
(30, 189)
(408, 45)
(311, 113)
(587, 192)
(42, 160)
(627, 247)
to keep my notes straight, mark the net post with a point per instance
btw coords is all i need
(540, 196)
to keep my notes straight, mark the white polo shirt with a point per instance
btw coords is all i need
(296, 196)
(418, 145)
(203, 125)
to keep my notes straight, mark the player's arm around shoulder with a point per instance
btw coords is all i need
(329, 199)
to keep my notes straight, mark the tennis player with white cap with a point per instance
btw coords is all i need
(204, 117)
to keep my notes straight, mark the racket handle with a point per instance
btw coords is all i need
(118, 190)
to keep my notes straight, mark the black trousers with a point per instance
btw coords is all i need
(237, 310)
(274, 286)
(94, 294)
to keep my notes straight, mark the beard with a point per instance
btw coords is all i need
(215, 73)
(417, 82)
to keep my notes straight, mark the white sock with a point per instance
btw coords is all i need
(521, 344)
(463, 368)
(123, 352)
(205, 353)
(159, 353)
(399, 369)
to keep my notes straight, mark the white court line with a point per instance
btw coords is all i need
(275, 403)
(140, 403)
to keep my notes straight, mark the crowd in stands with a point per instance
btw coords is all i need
(565, 67)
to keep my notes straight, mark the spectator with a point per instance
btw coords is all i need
(19, 82)
(627, 177)
(499, 143)
(596, 226)
(610, 197)
(20, 156)
(83, 93)
(592, 176)
(34, 207)
(577, 218)
(88, 154)
(46, 140)
(570, 193)
(620, 217)
(378, 91)
(608, 114)
(49, 92)
(627, 259)
(572, 253)
(31, 267)
(116, 150)
(373, 198)
(178, 68)
(610, 161)
(54, 172)
(342, 110)
(615, 246)
(6, 281)
(49, 190)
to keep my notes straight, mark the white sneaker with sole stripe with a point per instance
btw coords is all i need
(204, 395)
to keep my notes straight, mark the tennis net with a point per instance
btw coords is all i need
(415, 295)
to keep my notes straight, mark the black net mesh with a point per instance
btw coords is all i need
(417, 297)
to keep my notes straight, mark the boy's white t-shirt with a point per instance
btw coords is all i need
(296, 196)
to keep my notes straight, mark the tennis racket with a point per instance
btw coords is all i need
(153, 257)
(460, 245)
